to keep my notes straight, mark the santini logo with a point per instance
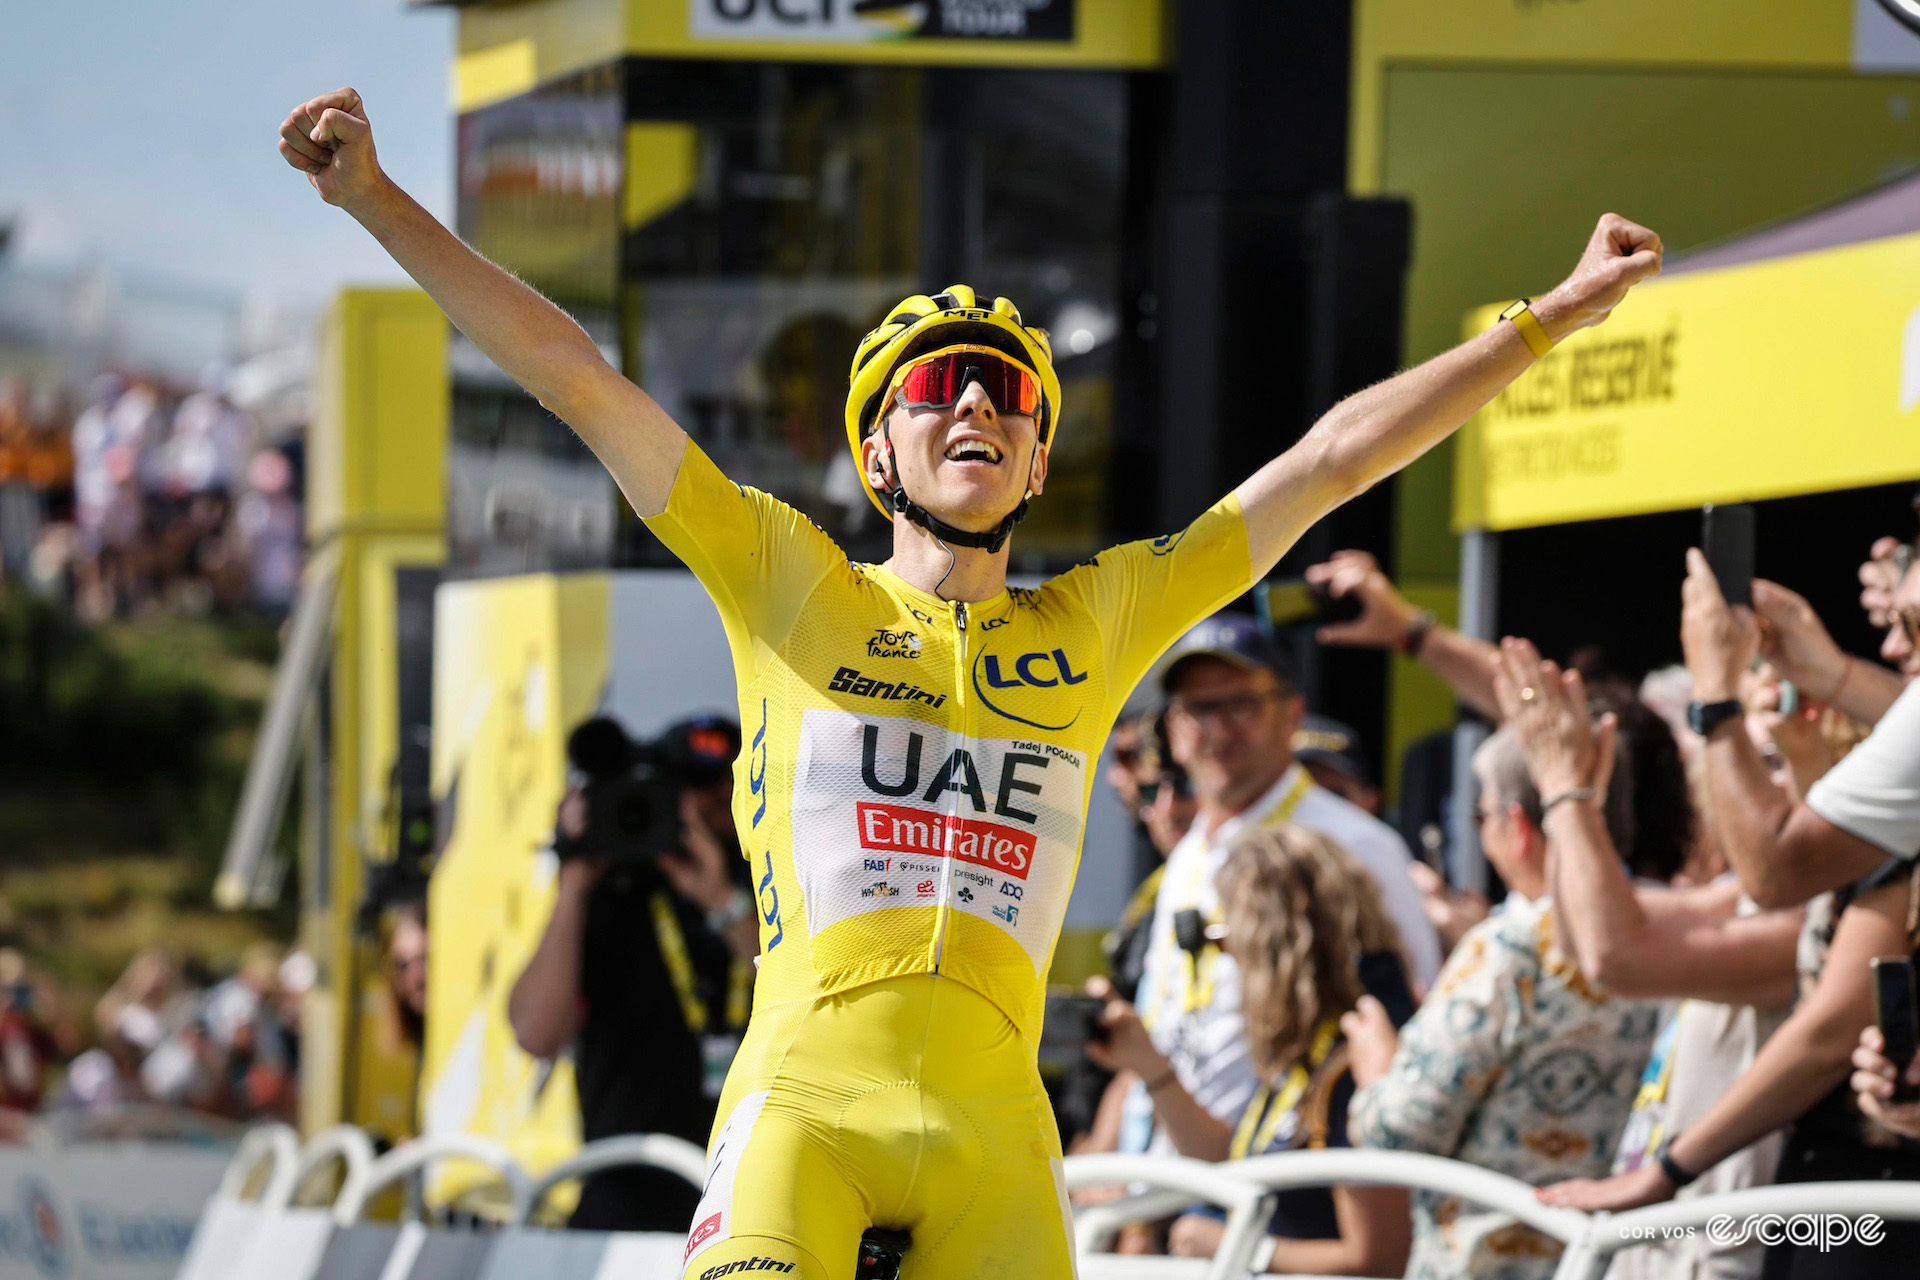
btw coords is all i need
(745, 1264)
(847, 680)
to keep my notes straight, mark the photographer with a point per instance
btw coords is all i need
(645, 968)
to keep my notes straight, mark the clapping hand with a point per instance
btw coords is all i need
(1548, 709)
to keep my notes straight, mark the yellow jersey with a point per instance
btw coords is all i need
(914, 781)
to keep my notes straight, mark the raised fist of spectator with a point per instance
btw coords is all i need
(1719, 640)
(1385, 616)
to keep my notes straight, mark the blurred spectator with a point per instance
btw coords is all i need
(151, 981)
(27, 1048)
(1331, 752)
(1232, 713)
(644, 972)
(272, 527)
(1867, 808)
(1091, 1102)
(1515, 1063)
(1730, 965)
(1159, 795)
(1299, 915)
(1800, 1077)
(211, 438)
(407, 975)
(296, 978)
(243, 1025)
(110, 1075)
(19, 504)
(1660, 828)
(150, 498)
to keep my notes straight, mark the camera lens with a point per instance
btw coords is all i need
(634, 812)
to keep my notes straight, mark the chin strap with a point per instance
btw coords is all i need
(992, 540)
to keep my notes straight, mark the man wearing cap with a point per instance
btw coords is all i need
(1232, 716)
(644, 972)
(1332, 753)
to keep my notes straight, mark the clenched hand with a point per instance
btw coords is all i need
(329, 139)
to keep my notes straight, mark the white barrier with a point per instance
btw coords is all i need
(403, 1161)
(102, 1211)
(1591, 1241)
(230, 1218)
(642, 1150)
(285, 1242)
(1248, 1207)
(1608, 1234)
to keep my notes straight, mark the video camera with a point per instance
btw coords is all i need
(633, 788)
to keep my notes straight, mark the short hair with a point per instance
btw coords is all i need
(1501, 763)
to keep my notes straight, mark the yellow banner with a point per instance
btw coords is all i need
(505, 50)
(1798, 375)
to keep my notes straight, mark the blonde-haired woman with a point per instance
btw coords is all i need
(1300, 913)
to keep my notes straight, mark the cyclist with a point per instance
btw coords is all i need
(920, 738)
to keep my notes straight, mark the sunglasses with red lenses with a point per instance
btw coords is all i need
(938, 381)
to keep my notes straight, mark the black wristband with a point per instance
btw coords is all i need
(1424, 621)
(1675, 1174)
(1704, 717)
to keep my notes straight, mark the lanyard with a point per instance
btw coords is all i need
(1194, 979)
(673, 950)
(1269, 1110)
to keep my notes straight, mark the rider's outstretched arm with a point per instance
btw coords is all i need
(535, 342)
(1373, 433)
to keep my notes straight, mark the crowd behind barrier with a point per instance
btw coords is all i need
(169, 1046)
(241, 1233)
(148, 494)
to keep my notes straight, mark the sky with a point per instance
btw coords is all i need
(143, 135)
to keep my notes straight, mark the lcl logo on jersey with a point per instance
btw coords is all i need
(997, 678)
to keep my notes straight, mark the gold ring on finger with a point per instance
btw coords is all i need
(1529, 693)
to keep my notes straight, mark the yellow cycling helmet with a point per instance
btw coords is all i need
(923, 324)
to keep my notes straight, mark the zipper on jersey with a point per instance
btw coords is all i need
(960, 717)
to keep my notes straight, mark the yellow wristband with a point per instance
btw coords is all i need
(1521, 313)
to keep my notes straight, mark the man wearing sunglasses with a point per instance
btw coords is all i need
(920, 738)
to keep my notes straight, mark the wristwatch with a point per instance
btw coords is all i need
(1704, 717)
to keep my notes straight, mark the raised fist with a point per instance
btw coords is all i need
(1619, 255)
(328, 139)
